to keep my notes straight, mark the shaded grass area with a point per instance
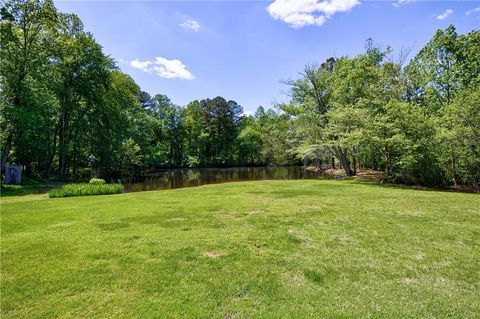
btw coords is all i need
(71, 190)
(270, 249)
(27, 187)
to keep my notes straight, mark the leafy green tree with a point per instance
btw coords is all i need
(433, 72)
(170, 128)
(129, 156)
(249, 143)
(405, 137)
(448, 64)
(275, 138)
(82, 80)
(330, 103)
(110, 122)
(26, 104)
(221, 118)
(194, 132)
(460, 131)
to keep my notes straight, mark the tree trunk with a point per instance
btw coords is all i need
(345, 165)
(62, 164)
(343, 158)
(28, 168)
(6, 152)
(63, 131)
(454, 168)
(48, 169)
(75, 150)
(62, 146)
(387, 169)
(316, 163)
(388, 162)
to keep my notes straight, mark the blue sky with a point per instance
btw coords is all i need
(241, 50)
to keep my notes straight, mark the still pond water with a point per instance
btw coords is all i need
(178, 178)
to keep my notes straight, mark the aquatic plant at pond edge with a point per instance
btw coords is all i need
(71, 190)
(96, 181)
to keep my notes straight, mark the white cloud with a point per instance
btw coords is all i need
(172, 69)
(165, 68)
(444, 15)
(299, 13)
(137, 64)
(469, 12)
(401, 3)
(191, 24)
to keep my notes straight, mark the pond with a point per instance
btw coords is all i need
(188, 177)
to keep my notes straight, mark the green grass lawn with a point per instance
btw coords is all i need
(273, 249)
(27, 187)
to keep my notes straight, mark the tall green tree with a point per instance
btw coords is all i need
(26, 104)
(221, 118)
(460, 130)
(447, 64)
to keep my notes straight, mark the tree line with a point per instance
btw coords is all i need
(419, 122)
(68, 109)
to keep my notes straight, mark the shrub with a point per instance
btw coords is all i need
(97, 181)
(70, 190)
(192, 161)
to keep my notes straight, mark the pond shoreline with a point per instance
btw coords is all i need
(190, 177)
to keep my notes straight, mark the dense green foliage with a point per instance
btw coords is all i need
(265, 249)
(67, 109)
(419, 123)
(71, 190)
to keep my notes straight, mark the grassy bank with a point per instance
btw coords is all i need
(27, 187)
(292, 249)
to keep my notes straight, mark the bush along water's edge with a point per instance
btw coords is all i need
(71, 190)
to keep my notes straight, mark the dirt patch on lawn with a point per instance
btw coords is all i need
(212, 254)
(64, 224)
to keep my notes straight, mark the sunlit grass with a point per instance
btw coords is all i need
(270, 249)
